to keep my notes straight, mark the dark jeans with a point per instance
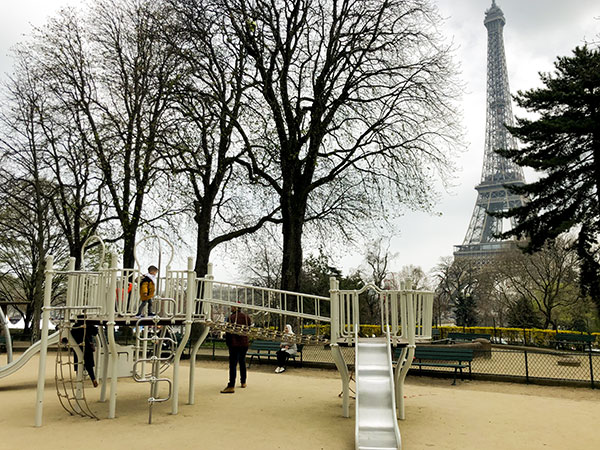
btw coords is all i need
(282, 358)
(144, 303)
(237, 355)
(88, 361)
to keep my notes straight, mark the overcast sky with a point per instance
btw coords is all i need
(536, 32)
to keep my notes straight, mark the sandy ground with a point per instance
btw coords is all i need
(300, 409)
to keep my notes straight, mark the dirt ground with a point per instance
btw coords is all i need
(300, 409)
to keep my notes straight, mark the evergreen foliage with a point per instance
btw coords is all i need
(522, 315)
(563, 143)
(465, 311)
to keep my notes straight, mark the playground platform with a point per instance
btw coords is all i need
(300, 410)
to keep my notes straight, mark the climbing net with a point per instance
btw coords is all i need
(69, 369)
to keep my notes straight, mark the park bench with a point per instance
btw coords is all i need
(468, 337)
(458, 358)
(268, 350)
(309, 331)
(570, 339)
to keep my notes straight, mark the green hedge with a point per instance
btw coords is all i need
(534, 336)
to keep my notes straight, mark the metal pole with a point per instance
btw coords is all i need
(591, 366)
(105, 360)
(335, 309)
(112, 344)
(526, 367)
(4, 323)
(204, 309)
(44, 341)
(189, 307)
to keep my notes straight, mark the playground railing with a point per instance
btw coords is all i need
(312, 308)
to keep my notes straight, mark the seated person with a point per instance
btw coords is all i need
(287, 349)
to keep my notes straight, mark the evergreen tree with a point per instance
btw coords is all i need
(563, 143)
(522, 315)
(465, 311)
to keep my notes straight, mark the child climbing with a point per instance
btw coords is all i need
(147, 291)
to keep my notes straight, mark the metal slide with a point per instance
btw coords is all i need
(376, 420)
(11, 368)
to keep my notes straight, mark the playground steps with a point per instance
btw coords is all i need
(376, 423)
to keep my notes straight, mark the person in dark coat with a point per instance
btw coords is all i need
(238, 347)
(85, 335)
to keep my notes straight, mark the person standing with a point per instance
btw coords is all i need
(238, 347)
(286, 350)
(147, 290)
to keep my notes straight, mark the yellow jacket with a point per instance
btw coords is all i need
(146, 289)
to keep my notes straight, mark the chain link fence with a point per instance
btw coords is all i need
(510, 363)
(501, 362)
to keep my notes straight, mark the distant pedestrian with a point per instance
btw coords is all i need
(147, 291)
(238, 347)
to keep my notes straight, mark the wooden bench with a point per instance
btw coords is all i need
(437, 356)
(565, 339)
(468, 337)
(268, 350)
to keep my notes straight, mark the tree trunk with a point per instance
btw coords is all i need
(38, 299)
(293, 223)
(203, 222)
(128, 249)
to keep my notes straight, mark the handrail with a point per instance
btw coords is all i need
(85, 244)
(278, 291)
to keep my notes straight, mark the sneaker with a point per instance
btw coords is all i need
(282, 370)
(278, 370)
(243, 385)
(228, 390)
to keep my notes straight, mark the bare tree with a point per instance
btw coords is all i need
(378, 258)
(117, 78)
(375, 270)
(210, 103)
(357, 109)
(456, 279)
(415, 275)
(29, 232)
(75, 200)
(548, 278)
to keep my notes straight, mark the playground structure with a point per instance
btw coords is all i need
(103, 298)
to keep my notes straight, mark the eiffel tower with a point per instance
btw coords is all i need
(480, 242)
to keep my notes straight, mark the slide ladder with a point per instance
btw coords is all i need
(157, 348)
(376, 420)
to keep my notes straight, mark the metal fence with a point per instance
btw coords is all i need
(510, 363)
